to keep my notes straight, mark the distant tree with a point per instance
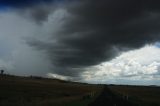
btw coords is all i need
(2, 72)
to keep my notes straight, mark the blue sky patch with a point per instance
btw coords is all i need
(21, 3)
(157, 44)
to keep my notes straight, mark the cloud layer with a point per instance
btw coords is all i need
(71, 36)
(139, 66)
(90, 32)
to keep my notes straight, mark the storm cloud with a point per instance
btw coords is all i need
(76, 34)
(94, 31)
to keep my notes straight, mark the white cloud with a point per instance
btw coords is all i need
(56, 76)
(141, 66)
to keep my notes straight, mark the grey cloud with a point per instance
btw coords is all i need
(93, 28)
(37, 13)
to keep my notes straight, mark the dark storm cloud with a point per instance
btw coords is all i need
(96, 30)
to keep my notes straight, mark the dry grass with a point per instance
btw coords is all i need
(23, 91)
(143, 95)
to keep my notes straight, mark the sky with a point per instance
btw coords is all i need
(107, 41)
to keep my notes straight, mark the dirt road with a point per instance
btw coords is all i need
(108, 98)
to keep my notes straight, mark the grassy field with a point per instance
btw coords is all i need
(23, 91)
(36, 91)
(141, 95)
